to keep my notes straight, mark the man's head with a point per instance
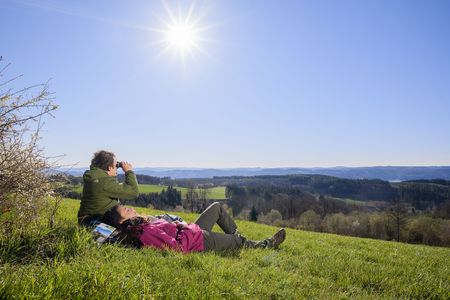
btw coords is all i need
(106, 161)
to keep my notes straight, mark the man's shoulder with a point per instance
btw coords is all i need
(94, 174)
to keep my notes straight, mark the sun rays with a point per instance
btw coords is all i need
(181, 34)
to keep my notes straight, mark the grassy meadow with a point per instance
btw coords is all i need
(64, 263)
(215, 193)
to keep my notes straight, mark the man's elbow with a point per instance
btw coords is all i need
(130, 194)
(133, 189)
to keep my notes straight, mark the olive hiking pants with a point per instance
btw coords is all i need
(215, 241)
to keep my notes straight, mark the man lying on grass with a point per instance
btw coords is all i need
(141, 231)
(101, 191)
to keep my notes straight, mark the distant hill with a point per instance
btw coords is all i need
(385, 173)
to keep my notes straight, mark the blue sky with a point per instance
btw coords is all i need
(275, 84)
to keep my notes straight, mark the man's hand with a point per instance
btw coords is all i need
(126, 166)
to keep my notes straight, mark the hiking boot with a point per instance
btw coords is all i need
(272, 242)
(276, 239)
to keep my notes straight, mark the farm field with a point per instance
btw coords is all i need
(215, 193)
(308, 265)
(370, 204)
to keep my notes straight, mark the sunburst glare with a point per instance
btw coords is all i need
(182, 35)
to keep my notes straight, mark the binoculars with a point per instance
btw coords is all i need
(119, 164)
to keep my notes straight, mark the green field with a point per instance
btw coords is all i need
(371, 204)
(215, 193)
(307, 266)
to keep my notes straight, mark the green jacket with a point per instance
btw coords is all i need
(101, 191)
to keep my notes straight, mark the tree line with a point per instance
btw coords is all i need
(291, 207)
(196, 198)
(167, 199)
(423, 195)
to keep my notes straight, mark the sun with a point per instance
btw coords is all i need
(182, 37)
(182, 34)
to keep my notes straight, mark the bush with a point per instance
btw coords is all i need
(243, 215)
(178, 208)
(271, 217)
(309, 220)
(360, 224)
(445, 232)
(337, 223)
(425, 230)
(24, 187)
(377, 226)
(67, 192)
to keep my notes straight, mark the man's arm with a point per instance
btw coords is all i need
(127, 190)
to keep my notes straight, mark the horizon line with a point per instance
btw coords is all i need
(281, 167)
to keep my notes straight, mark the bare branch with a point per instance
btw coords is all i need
(24, 185)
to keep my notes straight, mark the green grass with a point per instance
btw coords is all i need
(372, 204)
(308, 265)
(215, 193)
